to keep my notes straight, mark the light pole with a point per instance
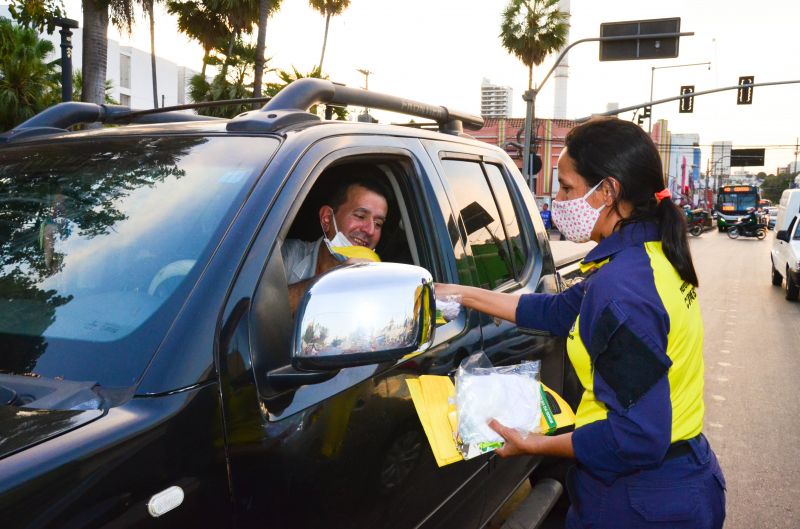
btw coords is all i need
(366, 73)
(652, 73)
(66, 25)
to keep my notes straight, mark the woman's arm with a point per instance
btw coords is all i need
(495, 304)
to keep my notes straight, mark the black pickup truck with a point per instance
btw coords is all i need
(151, 372)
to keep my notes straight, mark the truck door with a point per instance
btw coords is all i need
(503, 248)
(348, 450)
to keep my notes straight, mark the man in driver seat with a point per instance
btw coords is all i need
(351, 221)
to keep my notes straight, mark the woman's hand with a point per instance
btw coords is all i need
(534, 444)
(516, 444)
(446, 289)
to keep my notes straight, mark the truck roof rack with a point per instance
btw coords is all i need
(290, 106)
(58, 118)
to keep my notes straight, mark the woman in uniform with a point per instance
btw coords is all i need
(634, 336)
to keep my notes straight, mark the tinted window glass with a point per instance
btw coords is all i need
(482, 220)
(519, 253)
(100, 242)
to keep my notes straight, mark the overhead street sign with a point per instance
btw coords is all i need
(636, 47)
(747, 157)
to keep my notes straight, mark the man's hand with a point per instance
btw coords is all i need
(356, 260)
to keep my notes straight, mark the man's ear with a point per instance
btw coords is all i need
(326, 219)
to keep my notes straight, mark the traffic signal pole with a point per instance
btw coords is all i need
(530, 95)
(683, 96)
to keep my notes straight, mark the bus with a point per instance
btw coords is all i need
(733, 201)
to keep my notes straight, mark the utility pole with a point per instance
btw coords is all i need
(653, 71)
(366, 73)
(796, 145)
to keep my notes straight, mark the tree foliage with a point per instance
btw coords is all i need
(77, 87)
(774, 185)
(227, 84)
(40, 15)
(198, 20)
(28, 82)
(287, 78)
(533, 29)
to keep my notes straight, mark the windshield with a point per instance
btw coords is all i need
(734, 203)
(101, 241)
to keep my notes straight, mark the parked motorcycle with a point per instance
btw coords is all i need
(759, 231)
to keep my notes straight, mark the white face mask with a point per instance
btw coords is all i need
(576, 218)
(338, 241)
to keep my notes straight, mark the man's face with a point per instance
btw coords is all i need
(360, 218)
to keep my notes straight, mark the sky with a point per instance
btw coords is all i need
(438, 51)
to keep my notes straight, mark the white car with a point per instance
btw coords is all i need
(786, 259)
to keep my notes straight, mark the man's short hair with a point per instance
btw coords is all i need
(343, 177)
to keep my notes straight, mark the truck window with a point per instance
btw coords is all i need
(483, 223)
(519, 252)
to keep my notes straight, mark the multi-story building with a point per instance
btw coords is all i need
(495, 100)
(720, 161)
(129, 71)
(683, 167)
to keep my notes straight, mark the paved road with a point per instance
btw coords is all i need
(752, 393)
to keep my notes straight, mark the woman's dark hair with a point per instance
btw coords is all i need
(604, 147)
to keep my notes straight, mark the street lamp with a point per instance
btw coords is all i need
(653, 71)
(66, 25)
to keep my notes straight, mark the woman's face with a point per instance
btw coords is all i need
(571, 184)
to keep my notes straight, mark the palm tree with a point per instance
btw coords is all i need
(77, 85)
(200, 22)
(533, 29)
(265, 9)
(289, 77)
(28, 84)
(148, 6)
(95, 44)
(328, 8)
(240, 15)
(231, 85)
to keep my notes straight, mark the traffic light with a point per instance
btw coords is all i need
(744, 96)
(686, 105)
(644, 115)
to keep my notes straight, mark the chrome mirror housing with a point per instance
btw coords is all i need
(364, 314)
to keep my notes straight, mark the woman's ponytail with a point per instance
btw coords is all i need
(672, 223)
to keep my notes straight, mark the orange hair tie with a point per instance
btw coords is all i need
(661, 195)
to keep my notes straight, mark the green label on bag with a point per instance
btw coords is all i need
(547, 412)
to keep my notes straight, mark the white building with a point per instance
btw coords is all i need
(720, 161)
(495, 100)
(129, 71)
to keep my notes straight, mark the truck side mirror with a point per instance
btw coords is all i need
(364, 314)
(782, 235)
